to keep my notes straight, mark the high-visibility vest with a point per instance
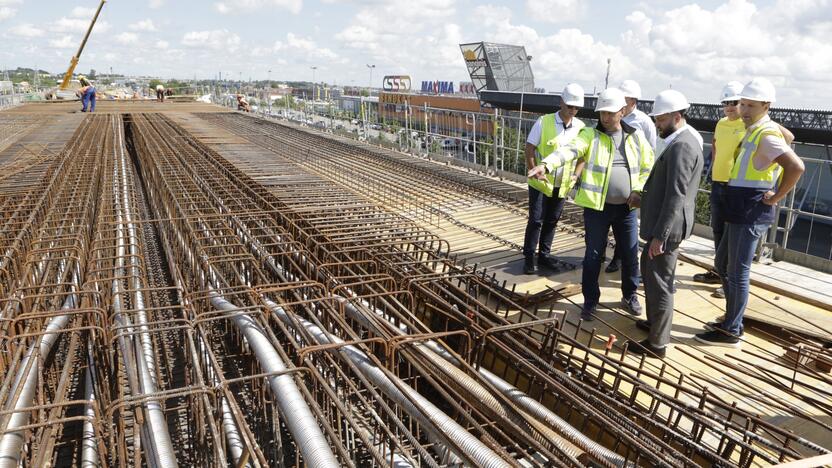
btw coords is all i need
(596, 148)
(743, 173)
(728, 135)
(550, 140)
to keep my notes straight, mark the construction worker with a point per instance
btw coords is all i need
(160, 93)
(87, 93)
(727, 137)
(618, 161)
(641, 121)
(546, 197)
(242, 103)
(764, 171)
(667, 216)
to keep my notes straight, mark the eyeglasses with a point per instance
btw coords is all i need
(573, 107)
(730, 103)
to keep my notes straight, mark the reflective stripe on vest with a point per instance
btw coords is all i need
(550, 140)
(743, 174)
(595, 177)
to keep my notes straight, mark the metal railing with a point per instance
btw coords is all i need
(494, 143)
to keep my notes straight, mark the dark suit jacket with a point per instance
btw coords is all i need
(669, 198)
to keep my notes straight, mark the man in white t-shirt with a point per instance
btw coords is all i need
(765, 170)
(546, 197)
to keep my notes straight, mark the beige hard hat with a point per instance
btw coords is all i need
(610, 100)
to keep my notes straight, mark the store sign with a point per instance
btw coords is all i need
(397, 99)
(466, 87)
(438, 87)
(396, 83)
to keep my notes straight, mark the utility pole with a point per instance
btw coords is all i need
(371, 67)
(607, 78)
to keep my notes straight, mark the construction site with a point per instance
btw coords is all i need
(201, 281)
(184, 285)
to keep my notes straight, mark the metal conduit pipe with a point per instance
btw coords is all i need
(521, 399)
(157, 435)
(299, 418)
(28, 376)
(89, 450)
(420, 408)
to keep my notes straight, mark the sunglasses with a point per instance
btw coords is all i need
(730, 103)
(573, 107)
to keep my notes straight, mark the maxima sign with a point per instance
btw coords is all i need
(438, 87)
(396, 83)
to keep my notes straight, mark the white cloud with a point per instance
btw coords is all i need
(127, 38)
(6, 13)
(143, 25)
(304, 47)
(63, 42)
(244, 6)
(218, 39)
(83, 12)
(26, 30)
(162, 45)
(156, 4)
(77, 25)
(556, 11)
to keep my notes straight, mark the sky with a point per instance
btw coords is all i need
(695, 47)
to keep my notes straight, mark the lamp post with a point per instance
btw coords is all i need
(314, 87)
(371, 77)
(522, 93)
(269, 92)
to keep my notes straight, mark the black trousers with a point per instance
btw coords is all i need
(544, 213)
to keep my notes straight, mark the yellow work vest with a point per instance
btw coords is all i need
(743, 173)
(550, 140)
(596, 148)
(728, 136)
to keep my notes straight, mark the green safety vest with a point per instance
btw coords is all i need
(743, 173)
(596, 148)
(549, 142)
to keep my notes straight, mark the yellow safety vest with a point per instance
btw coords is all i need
(596, 148)
(743, 173)
(550, 140)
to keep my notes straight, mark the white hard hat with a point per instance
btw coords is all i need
(573, 95)
(669, 101)
(631, 89)
(610, 100)
(731, 91)
(758, 89)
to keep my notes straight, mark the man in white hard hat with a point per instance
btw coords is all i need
(636, 119)
(160, 93)
(618, 160)
(764, 171)
(546, 197)
(668, 203)
(727, 137)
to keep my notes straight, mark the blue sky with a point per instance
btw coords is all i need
(693, 47)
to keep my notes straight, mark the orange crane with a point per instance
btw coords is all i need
(74, 62)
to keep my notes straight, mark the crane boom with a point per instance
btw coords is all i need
(74, 61)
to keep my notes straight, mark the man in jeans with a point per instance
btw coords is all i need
(546, 197)
(727, 137)
(618, 160)
(764, 172)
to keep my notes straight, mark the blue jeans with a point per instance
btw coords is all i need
(717, 214)
(544, 213)
(88, 100)
(624, 223)
(733, 263)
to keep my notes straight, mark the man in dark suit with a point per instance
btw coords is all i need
(667, 216)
